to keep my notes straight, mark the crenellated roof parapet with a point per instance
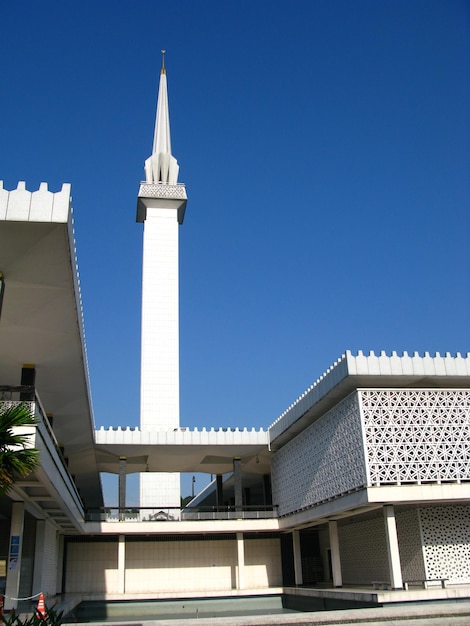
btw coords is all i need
(179, 436)
(21, 205)
(211, 451)
(372, 369)
(184, 429)
(408, 365)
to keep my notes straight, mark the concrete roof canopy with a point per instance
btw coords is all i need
(42, 324)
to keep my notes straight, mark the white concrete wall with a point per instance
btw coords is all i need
(92, 567)
(180, 566)
(263, 563)
(172, 566)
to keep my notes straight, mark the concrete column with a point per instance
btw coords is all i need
(335, 556)
(39, 557)
(14, 555)
(241, 561)
(268, 498)
(219, 490)
(122, 564)
(392, 547)
(122, 486)
(237, 483)
(28, 377)
(61, 564)
(297, 557)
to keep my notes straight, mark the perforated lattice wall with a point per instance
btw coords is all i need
(445, 531)
(409, 543)
(417, 435)
(363, 550)
(324, 461)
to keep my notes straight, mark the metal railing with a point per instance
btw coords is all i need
(27, 394)
(180, 514)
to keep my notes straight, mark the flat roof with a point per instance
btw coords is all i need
(350, 372)
(41, 320)
(183, 450)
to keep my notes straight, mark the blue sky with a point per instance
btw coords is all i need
(325, 146)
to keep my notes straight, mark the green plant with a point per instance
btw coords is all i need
(11, 619)
(52, 618)
(16, 459)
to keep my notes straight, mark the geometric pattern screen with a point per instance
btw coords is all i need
(324, 461)
(445, 558)
(375, 437)
(416, 435)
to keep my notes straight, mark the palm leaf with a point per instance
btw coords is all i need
(16, 459)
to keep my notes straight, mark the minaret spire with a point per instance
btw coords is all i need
(161, 166)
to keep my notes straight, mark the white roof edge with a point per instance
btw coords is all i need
(80, 313)
(180, 436)
(44, 206)
(41, 205)
(183, 429)
(373, 364)
(405, 364)
(333, 375)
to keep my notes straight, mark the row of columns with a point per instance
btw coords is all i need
(122, 472)
(16, 540)
(237, 477)
(393, 552)
(14, 563)
(41, 579)
(392, 549)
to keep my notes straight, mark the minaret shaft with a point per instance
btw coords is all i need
(160, 332)
(161, 206)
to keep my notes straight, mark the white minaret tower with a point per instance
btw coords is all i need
(161, 206)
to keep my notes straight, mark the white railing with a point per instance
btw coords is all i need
(184, 514)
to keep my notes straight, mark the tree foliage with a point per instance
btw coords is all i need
(16, 459)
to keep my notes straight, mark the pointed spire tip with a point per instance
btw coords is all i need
(163, 70)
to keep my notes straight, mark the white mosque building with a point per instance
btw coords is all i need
(361, 487)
